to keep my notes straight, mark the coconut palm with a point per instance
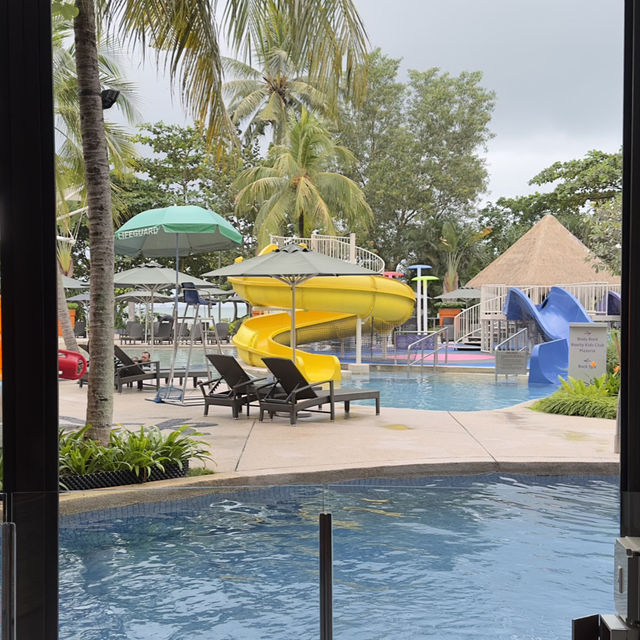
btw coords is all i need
(458, 243)
(296, 185)
(70, 193)
(327, 39)
(268, 95)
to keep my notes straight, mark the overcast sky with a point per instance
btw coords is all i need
(555, 65)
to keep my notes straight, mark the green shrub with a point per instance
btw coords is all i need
(568, 404)
(138, 451)
(578, 398)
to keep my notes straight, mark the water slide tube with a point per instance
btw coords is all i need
(326, 308)
(549, 359)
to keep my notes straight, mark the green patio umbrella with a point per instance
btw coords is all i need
(293, 265)
(175, 231)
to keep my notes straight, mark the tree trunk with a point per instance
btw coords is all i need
(101, 293)
(63, 316)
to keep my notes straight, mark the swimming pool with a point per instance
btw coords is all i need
(506, 557)
(427, 389)
(448, 391)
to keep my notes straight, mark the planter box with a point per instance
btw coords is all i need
(118, 478)
(447, 313)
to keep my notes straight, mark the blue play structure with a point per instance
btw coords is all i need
(549, 359)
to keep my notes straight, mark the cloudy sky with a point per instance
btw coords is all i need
(555, 65)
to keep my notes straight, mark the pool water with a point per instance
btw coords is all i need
(423, 389)
(448, 391)
(501, 557)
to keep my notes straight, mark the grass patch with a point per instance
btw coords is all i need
(199, 471)
(588, 406)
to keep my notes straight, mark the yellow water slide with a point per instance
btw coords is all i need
(326, 308)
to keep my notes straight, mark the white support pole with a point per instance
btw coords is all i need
(358, 340)
(352, 248)
(425, 309)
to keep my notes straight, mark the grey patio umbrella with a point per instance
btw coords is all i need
(463, 293)
(145, 296)
(155, 279)
(72, 283)
(293, 265)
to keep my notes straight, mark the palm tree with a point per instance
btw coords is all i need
(271, 94)
(458, 243)
(296, 185)
(328, 40)
(69, 160)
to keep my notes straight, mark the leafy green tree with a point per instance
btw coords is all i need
(328, 34)
(295, 186)
(419, 149)
(605, 233)
(177, 168)
(581, 188)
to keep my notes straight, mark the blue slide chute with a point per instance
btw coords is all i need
(552, 318)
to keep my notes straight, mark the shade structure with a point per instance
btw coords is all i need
(72, 283)
(464, 293)
(80, 297)
(185, 230)
(175, 231)
(155, 278)
(143, 296)
(424, 281)
(293, 265)
(548, 254)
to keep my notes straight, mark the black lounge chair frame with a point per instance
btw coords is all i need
(289, 377)
(241, 388)
(300, 395)
(127, 371)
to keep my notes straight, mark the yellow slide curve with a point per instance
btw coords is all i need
(326, 308)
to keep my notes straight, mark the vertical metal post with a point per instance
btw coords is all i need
(8, 581)
(358, 340)
(28, 267)
(326, 577)
(630, 351)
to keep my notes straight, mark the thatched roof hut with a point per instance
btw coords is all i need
(547, 254)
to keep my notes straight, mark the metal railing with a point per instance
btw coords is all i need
(512, 354)
(519, 341)
(427, 342)
(342, 248)
(466, 323)
(593, 296)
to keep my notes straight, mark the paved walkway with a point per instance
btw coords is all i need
(397, 442)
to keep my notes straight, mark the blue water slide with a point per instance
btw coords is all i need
(552, 318)
(614, 306)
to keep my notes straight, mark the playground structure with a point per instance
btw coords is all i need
(327, 307)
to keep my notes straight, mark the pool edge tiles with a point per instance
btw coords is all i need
(76, 502)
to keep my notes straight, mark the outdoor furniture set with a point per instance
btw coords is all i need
(289, 392)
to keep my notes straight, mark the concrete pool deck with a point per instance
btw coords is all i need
(396, 443)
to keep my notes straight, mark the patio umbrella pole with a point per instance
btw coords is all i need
(293, 321)
(176, 329)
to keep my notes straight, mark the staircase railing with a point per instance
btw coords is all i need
(427, 342)
(466, 323)
(342, 248)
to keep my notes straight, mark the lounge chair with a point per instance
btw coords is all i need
(133, 333)
(298, 394)
(164, 332)
(241, 389)
(127, 371)
(222, 329)
(130, 371)
(298, 390)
